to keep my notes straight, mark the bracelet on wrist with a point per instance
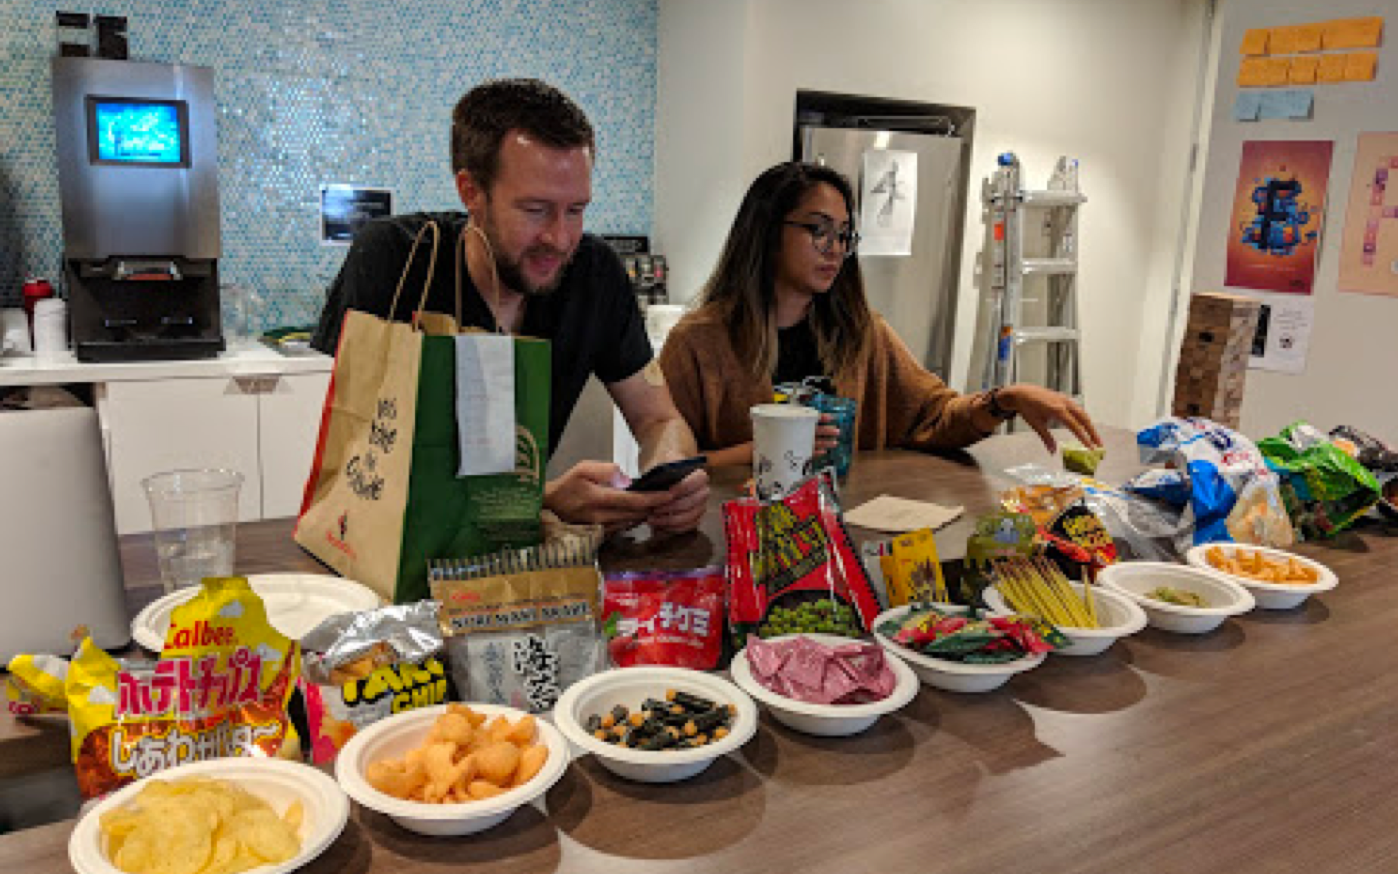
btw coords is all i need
(993, 405)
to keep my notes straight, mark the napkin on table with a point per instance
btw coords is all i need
(898, 515)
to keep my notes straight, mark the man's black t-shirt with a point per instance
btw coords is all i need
(591, 319)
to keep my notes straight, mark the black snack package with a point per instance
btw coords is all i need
(1373, 453)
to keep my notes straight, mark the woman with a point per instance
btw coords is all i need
(786, 302)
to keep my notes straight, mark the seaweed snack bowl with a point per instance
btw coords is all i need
(1268, 595)
(630, 687)
(1118, 615)
(826, 720)
(325, 809)
(393, 737)
(1222, 596)
(948, 675)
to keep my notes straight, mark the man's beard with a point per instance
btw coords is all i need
(511, 270)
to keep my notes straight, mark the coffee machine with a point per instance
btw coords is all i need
(138, 181)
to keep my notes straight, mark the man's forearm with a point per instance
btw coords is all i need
(665, 440)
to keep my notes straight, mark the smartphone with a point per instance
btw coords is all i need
(667, 475)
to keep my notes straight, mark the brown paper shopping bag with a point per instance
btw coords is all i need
(383, 496)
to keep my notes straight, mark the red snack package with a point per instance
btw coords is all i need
(792, 567)
(662, 618)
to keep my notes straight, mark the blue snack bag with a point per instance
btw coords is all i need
(1220, 480)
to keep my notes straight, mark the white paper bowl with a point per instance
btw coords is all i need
(391, 738)
(1118, 614)
(826, 720)
(275, 781)
(1224, 597)
(948, 675)
(1269, 596)
(599, 693)
(295, 604)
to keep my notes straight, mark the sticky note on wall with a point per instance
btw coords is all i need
(1251, 73)
(1331, 69)
(1247, 105)
(1309, 37)
(1283, 41)
(1360, 66)
(1254, 42)
(1303, 68)
(1263, 72)
(1353, 33)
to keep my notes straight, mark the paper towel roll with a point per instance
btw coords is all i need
(14, 332)
(50, 327)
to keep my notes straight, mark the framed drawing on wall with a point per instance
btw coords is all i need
(346, 208)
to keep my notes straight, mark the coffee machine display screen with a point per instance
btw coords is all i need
(123, 130)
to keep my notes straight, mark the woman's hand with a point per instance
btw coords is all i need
(1043, 408)
(827, 435)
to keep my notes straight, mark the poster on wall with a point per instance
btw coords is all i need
(1278, 210)
(1369, 251)
(1283, 333)
(887, 202)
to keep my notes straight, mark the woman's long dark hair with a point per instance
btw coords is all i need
(742, 290)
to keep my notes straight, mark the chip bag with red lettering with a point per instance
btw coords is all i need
(792, 567)
(664, 618)
(219, 688)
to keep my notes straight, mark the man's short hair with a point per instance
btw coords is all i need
(492, 109)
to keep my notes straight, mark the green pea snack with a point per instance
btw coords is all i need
(792, 567)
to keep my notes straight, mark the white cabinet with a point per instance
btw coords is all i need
(264, 427)
(288, 424)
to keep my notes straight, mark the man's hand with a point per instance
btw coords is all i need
(684, 506)
(1042, 408)
(594, 492)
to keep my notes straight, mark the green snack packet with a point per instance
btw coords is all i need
(1323, 488)
(1082, 460)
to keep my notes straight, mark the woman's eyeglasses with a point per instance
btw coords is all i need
(824, 235)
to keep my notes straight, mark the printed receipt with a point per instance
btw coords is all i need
(485, 403)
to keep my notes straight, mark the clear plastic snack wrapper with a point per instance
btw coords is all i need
(358, 668)
(1219, 478)
(521, 625)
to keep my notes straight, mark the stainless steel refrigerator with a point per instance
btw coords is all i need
(916, 293)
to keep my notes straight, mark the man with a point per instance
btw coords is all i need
(522, 152)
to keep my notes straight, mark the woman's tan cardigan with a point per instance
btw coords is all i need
(901, 404)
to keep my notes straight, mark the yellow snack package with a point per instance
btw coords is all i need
(917, 574)
(219, 688)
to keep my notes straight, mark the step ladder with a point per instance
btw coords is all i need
(1011, 212)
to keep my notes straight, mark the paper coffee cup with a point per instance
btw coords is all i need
(783, 441)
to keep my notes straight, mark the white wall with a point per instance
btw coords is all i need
(1353, 355)
(1112, 83)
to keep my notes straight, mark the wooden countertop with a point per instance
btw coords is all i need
(1263, 747)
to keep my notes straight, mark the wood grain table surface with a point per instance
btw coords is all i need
(1270, 745)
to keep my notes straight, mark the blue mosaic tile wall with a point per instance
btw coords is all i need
(313, 91)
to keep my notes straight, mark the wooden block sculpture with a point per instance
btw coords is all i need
(1213, 368)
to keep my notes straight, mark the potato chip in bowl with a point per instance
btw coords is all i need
(222, 816)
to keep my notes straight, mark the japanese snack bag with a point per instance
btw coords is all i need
(358, 668)
(792, 566)
(521, 625)
(219, 688)
(660, 618)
